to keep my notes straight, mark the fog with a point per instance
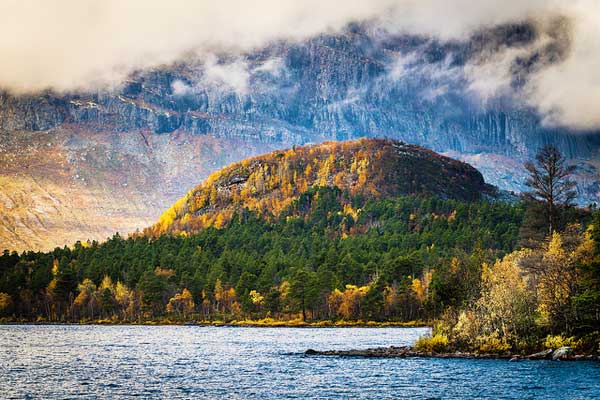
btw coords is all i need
(83, 44)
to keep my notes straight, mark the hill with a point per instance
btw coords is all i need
(372, 228)
(276, 183)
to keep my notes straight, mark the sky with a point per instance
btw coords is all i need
(70, 45)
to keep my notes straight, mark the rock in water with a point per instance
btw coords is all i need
(562, 353)
(546, 354)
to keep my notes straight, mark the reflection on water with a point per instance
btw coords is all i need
(53, 362)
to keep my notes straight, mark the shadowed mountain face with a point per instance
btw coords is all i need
(78, 166)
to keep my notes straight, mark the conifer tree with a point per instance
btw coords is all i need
(550, 184)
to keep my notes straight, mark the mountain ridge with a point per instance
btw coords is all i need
(275, 183)
(172, 125)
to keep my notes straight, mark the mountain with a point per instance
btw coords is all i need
(70, 184)
(278, 182)
(329, 87)
(326, 232)
(82, 165)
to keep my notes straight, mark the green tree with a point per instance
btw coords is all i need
(153, 289)
(107, 302)
(550, 184)
(372, 304)
(303, 289)
(245, 284)
(587, 300)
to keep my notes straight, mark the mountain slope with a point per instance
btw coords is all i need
(361, 82)
(123, 155)
(275, 182)
(69, 184)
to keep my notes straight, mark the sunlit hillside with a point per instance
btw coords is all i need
(365, 168)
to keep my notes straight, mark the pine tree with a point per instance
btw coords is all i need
(550, 184)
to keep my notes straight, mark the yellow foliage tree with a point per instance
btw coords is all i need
(219, 221)
(182, 303)
(213, 195)
(334, 301)
(86, 301)
(256, 298)
(390, 299)
(351, 301)
(107, 283)
(507, 304)
(125, 300)
(418, 289)
(6, 303)
(557, 282)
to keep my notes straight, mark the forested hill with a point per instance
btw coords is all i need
(276, 184)
(371, 229)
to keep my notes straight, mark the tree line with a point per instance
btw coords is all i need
(546, 293)
(407, 259)
(493, 275)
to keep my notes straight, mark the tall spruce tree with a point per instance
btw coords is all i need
(550, 184)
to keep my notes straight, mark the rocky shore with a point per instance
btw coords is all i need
(563, 354)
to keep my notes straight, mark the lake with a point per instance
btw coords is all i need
(51, 362)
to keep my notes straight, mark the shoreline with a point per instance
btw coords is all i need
(410, 352)
(234, 323)
(376, 352)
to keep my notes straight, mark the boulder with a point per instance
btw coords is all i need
(542, 355)
(562, 353)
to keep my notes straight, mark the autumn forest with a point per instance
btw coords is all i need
(370, 231)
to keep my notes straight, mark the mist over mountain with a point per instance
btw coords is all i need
(162, 130)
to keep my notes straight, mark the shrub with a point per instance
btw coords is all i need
(466, 328)
(492, 344)
(557, 341)
(436, 343)
(588, 344)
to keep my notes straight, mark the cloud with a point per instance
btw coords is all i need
(180, 88)
(403, 65)
(88, 44)
(273, 66)
(439, 77)
(228, 75)
(233, 75)
(491, 75)
(353, 96)
(82, 44)
(568, 93)
(564, 88)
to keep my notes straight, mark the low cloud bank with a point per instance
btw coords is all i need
(85, 45)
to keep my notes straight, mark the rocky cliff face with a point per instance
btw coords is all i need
(332, 87)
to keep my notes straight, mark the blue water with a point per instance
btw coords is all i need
(53, 362)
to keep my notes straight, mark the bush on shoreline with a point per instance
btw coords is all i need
(437, 343)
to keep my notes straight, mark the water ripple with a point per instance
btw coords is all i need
(179, 362)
